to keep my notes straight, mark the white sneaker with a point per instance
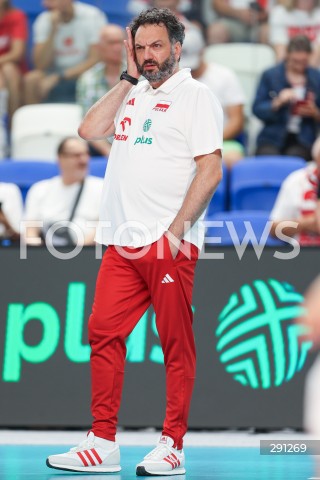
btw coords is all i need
(94, 454)
(162, 460)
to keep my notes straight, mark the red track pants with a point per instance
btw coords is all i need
(125, 289)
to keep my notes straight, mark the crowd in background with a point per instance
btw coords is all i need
(75, 56)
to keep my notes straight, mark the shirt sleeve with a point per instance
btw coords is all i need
(204, 129)
(41, 28)
(286, 204)
(277, 24)
(20, 26)
(34, 201)
(12, 207)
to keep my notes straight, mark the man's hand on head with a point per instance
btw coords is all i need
(131, 64)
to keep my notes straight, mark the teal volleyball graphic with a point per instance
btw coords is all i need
(258, 339)
(147, 125)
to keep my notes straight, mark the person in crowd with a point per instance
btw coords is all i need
(11, 208)
(103, 76)
(13, 63)
(288, 103)
(295, 17)
(238, 21)
(297, 202)
(164, 167)
(224, 84)
(70, 200)
(65, 46)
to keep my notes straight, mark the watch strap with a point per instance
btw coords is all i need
(125, 76)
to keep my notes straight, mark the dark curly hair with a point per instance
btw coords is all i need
(156, 16)
(299, 43)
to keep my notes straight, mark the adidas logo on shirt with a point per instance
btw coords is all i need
(167, 279)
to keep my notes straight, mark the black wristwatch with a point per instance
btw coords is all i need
(125, 76)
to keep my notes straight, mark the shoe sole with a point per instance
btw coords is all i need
(142, 472)
(84, 469)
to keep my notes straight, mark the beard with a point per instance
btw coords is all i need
(165, 69)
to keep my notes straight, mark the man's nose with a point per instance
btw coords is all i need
(147, 53)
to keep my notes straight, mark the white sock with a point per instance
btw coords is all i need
(103, 443)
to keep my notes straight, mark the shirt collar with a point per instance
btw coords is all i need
(171, 83)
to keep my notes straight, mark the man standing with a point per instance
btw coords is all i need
(164, 166)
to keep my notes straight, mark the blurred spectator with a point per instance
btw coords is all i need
(52, 201)
(297, 202)
(10, 211)
(295, 17)
(288, 102)
(13, 40)
(239, 21)
(191, 9)
(136, 6)
(224, 84)
(208, 13)
(65, 46)
(99, 79)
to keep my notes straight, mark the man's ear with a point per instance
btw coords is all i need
(177, 51)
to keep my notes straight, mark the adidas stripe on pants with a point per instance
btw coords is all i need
(125, 289)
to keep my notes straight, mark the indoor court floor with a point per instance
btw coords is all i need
(220, 456)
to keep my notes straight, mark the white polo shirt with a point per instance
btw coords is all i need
(158, 134)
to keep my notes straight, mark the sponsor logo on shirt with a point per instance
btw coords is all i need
(311, 31)
(162, 106)
(143, 139)
(147, 125)
(121, 138)
(68, 41)
(124, 122)
(131, 101)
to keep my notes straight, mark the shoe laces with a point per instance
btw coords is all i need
(159, 452)
(86, 444)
